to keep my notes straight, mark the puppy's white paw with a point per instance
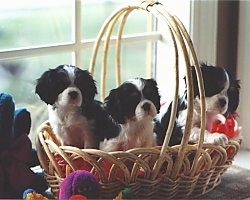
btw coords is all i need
(217, 139)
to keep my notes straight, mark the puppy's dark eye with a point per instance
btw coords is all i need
(133, 99)
(130, 92)
(63, 78)
(147, 92)
(213, 88)
(150, 92)
(61, 81)
(134, 95)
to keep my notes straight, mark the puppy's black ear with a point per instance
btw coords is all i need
(45, 87)
(87, 85)
(195, 82)
(156, 98)
(112, 105)
(233, 95)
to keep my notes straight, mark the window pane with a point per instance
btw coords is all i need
(31, 23)
(18, 78)
(133, 64)
(165, 70)
(94, 13)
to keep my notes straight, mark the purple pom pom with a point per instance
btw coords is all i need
(80, 182)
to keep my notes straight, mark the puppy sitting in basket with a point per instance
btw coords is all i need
(77, 119)
(134, 105)
(221, 98)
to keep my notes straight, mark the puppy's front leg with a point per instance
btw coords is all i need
(216, 138)
(211, 138)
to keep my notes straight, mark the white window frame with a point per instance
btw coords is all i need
(204, 29)
(203, 38)
(76, 46)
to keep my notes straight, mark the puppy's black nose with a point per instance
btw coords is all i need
(222, 102)
(146, 106)
(73, 94)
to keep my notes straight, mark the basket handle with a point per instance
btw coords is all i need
(107, 28)
(181, 37)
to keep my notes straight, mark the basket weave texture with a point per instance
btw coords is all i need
(182, 171)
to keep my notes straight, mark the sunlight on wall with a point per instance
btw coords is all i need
(165, 55)
(244, 71)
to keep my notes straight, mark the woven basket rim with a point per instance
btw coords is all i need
(213, 162)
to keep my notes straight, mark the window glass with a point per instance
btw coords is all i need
(19, 75)
(18, 78)
(27, 23)
(133, 56)
(133, 64)
(96, 12)
(165, 70)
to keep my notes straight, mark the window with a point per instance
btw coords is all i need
(36, 36)
(165, 74)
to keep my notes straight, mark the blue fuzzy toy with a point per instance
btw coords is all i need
(16, 153)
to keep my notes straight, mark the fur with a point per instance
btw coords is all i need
(221, 97)
(133, 105)
(77, 119)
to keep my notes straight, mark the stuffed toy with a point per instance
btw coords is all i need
(79, 184)
(227, 125)
(16, 153)
(126, 193)
(31, 194)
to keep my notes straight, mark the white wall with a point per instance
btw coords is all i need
(204, 29)
(244, 70)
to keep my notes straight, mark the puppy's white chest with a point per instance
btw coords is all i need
(138, 134)
(72, 128)
(65, 116)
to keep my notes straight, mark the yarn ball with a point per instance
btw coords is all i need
(80, 182)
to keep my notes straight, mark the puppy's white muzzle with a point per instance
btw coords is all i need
(70, 96)
(145, 108)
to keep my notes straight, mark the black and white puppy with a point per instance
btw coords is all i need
(221, 97)
(134, 105)
(75, 116)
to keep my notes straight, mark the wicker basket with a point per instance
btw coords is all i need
(182, 171)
